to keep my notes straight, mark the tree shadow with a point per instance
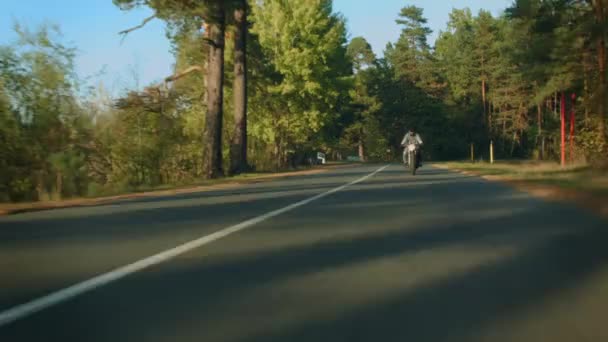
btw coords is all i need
(557, 255)
(159, 228)
(554, 256)
(104, 221)
(460, 308)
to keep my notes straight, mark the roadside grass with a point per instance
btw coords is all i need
(575, 182)
(122, 192)
(245, 178)
(121, 189)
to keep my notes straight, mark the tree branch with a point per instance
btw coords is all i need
(212, 42)
(183, 73)
(124, 33)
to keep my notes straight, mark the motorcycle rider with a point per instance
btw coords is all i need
(411, 137)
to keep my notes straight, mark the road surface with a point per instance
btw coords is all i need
(436, 257)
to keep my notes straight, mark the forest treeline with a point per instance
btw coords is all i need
(264, 85)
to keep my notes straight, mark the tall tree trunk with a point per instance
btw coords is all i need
(513, 140)
(600, 17)
(361, 146)
(59, 184)
(539, 113)
(539, 119)
(212, 158)
(276, 151)
(586, 99)
(238, 148)
(562, 109)
(587, 71)
(483, 99)
(483, 93)
(555, 104)
(491, 111)
(361, 151)
(39, 186)
(504, 125)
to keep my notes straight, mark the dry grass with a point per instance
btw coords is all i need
(165, 190)
(575, 177)
(578, 183)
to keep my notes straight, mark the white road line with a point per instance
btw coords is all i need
(29, 308)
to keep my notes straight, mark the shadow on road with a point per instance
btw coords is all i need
(458, 309)
(151, 215)
(552, 257)
(383, 218)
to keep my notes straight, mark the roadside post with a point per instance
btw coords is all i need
(572, 124)
(563, 129)
(491, 152)
(472, 153)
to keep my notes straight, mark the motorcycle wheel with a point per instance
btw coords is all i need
(412, 160)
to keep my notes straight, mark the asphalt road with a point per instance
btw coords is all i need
(436, 257)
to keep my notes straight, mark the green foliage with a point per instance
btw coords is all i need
(411, 56)
(455, 54)
(360, 52)
(40, 116)
(303, 44)
(414, 29)
(486, 78)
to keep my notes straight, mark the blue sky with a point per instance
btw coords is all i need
(92, 26)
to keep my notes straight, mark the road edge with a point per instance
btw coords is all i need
(24, 310)
(7, 209)
(549, 193)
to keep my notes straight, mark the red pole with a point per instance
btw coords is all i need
(572, 122)
(563, 129)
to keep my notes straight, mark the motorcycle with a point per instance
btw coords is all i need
(410, 157)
